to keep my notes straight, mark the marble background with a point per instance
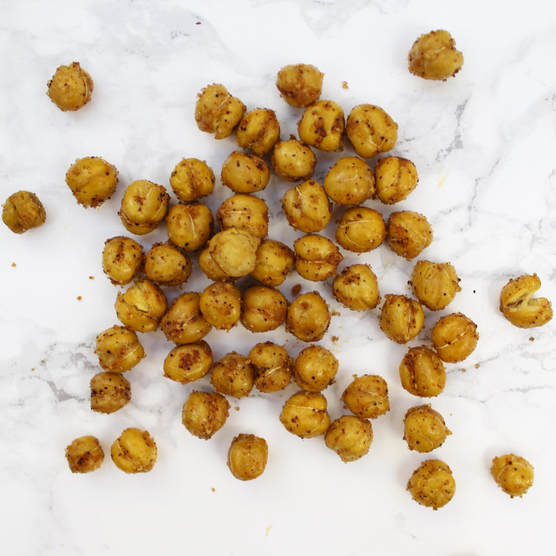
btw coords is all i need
(484, 147)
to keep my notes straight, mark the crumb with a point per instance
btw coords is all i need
(197, 23)
(335, 338)
(335, 314)
(474, 291)
(477, 365)
(267, 530)
(13, 265)
(345, 85)
(531, 339)
(236, 407)
(79, 298)
(32, 368)
(463, 370)
(91, 277)
(213, 489)
(43, 361)
(296, 289)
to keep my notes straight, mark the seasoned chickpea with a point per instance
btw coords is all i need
(217, 111)
(258, 131)
(513, 474)
(210, 268)
(244, 212)
(361, 229)
(422, 372)
(192, 179)
(316, 257)
(315, 369)
(304, 414)
(205, 413)
(307, 207)
(401, 318)
(272, 365)
(408, 233)
(350, 181)
(367, 396)
(263, 309)
(357, 288)
(23, 211)
(299, 84)
(70, 88)
(434, 284)
(233, 375)
(84, 454)
(322, 125)
(118, 349)
(121, 259)
(184, 322)
(167, 265)
(434, 56)
(371, 130)
(424, 429)
(189, 362)
(234, 251)
(273, 263)
(144, 206)
(109, 392)
(308, 317)
(350, 437)
(141, 307)
(190, 226)
(220, 304)
(396, 178)
(134, 451)
(432, 484)
(92, 180)
(454, 337)
(245, 173)
(292, 160)
(247, 456)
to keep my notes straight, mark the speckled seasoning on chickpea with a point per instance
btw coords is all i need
(205, 413)
(292, 160)
(167, 265)
(350, 437)
(217, 111)
(299, 84)
(434, 284)
(315, 369)
(360, 229)
(92, 180)
(408, 233)
(192, 179)
(258, 131)
(263, 309)
(141, 306)
(424, 429)
(23, 211)
(454, 337)
(513, 474)
(122, 258)
(244, 212)
(245, 173)
(144, 206)
(367, 396)
(272, 365)
(109, 392)
(84, 454)
(71, 87)
(401, 318)
(307, 207)
(184, 322)
(422, 372)
(396, 178)
(220, 304)
(233, 375)
(190, 226)
(134, 451)
(371, 130)
(350, 181)
(304, 414)
(118, 349)
(274, 261)
(188, 362)
(234, 251)
(308, 317)
(316, 257)
(322, 125)
(356, 288)
(247, 456)
(434, 56)
(432, 484)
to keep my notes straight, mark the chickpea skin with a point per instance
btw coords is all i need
(274, 261)
(367, 397)
(350, 437)
(118, 349)
(220, 305)
(513, 474)
(23, 211)
(432, 484)
(184, 323)
(245, 173)
(408, 233)
(350, 181)
(299, 84)
(247, 457)
(109, 392)
(401, 318)
(141, 307)
(258, 131)
(233, 375)
(361, 229)
(434, 56)
(167, 265)
(144, 206)
(188, 362)
(292, 160)
(92, 180)
(84, 454)
(192, 179)
(304, 414)
(244, 212)
(190, 226)
(122, 258)
(71, 87)
(322, 125)
(307, 207)
(316, 257)
(315, 369)
(371, 130)
(308, 317)
(454, 337)
(424, 429)
(434, 284)
(422, 372)
(134, 451)
(357, 288)
(205, 413)
(396, 178)
(272, 365)
(263, 309)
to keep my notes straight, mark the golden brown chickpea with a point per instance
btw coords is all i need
(109, 392)
(316, 257)
(408, 233)
(273, 263)
(167, 265)
(134, 451)
(233, 375)
(357, 288)
(217, 111)
(299, 84)
(422, 372)
(454, 337)
(192, 179)
(244, 212)
(247, 456)
(519, 306)
(84, 454)
(371, 130)
(396, 178)
(23, 211)
(424, 429)
(322, 125)
(304, 414)
(204, 413)
(513, 474)
(144, 206)
(121, 259)
(307, 207)
(367, 396)
(258, 131)
(434, 56)
(92, 180)
(70, 88)
(220, 304)
(350, 181)
(434, 284)
(210, 268)
(263, 309)
(184, 323)
(361, 229)
(401, 318)
(245, 173)
(234, 251)
(141, 307)
(292, 160)
(189, 362)
(350, 437)
(272, 365)
(190, 226)
(432, 484)
(118, 349)
(308, 317)
(315, 369)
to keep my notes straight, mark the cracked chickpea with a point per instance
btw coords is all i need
(217, 111)
(434, 56)
(184, 322)
(367, 396)
(205, 413)
(322, 125)
(304, 414)
(233, 375)
(84, 454)
(434, 284)
(361, 229)
(71, 87)
(454, 337)
(190, 226)
(263, 309)
(167, 265)
(308, 317)
(210, 268)
(192, 179)
(299, 84)
(245, 173)
(350, 181)
(244, 212)
(23, 211)
(272, 365)
(247, 456)
(109, 392)
(134, 451)
(315, 368)
(424, 429)
(122, 258)
(356, 288)
(220, 304)
(274, 261)
(371, 130)
(513, 474)
(422, 372)
(188, 362)
(350, 437)
(118, 349)
(432, 484)
(258, 131)
(307, 207)
(234, 252)
(144, 206)
(141, 306)
(396, 178)
(401, 318)
(92, 180)
(316, 257)
(408, 233)
(292, 160)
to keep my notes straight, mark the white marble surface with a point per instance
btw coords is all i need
(484, 147)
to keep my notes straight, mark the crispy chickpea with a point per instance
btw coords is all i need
(272, 365)
(299, 84)
(401, 318)
(109, 392)
(144, 206)
(292, 160)
(192, 179)
(424, 429)
(23, 211)
(217, 111)
(307, 207)
(422, 372)
(408, 233)
(396, 178)
(245, 173)
(134, 451)
(84, 454)
(322, 125)
(234, 251)
(350, 437)
(189, 362)
(190, 226)
(220, 304)
(263, 309)
(233, 375)
(167, 265)
(361, 229)
(121, 259)
(357, 288)
(118, 349)
(247, 456)
(244, 212)
(70, 88)
(432, 484)
(274, 261)
(308, 317)
(204, 413)
(434, 284)
(350, 181)
(371, 130)
(434, 56)
(258, 131)
(304, 414)
(513, 474)
(316, 257)
(315, 369)
(454, 337)
(210, 268)
(367, 396)
(92, 180)
(141, 307)
(184, 322)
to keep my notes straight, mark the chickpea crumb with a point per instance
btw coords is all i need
(296, 290)
(345, 85)
(335, 314)
(213, 489)
(335, 338)
(91, 277)
(477, 365)
(236, 407)
(531, 339)
(13, 265)
(79, 298)
(267, 530)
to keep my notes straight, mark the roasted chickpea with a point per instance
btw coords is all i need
(192, 179)
(189, 362)
(144, 206)
(422, 372)
(367, 396)
(84, 454)
(434, 284)
(184, 322)
(233, 375)
(299, 84)
(513, 474)
(258, 131)
(109, 392)
(401, 318)
(396, 178)
(220, 304)
(205, 413)
(70, 88)
(304, 414)
(210, 268)
(247, 456)
(315, 369)
(350, 181)
(307, 207)
(424, 429)
(273, 263)
(263, 309)
(322, 125)
(357, 288)
(217, 111)
(121, 259)
(245, 173)
(292, 160)
(361, 229)
(371, 130)
(308, 317)
(316, 257)
(134, 451)
(141, 307)
(350, 437)
(272, 365)
(234, 251)
(190, 226)
(167, 265)
(92, 180)
(432, 484)
(118, 349)
(454, 337)
(23, 211)
(408, 233)
(434, 56)
(244, 212)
